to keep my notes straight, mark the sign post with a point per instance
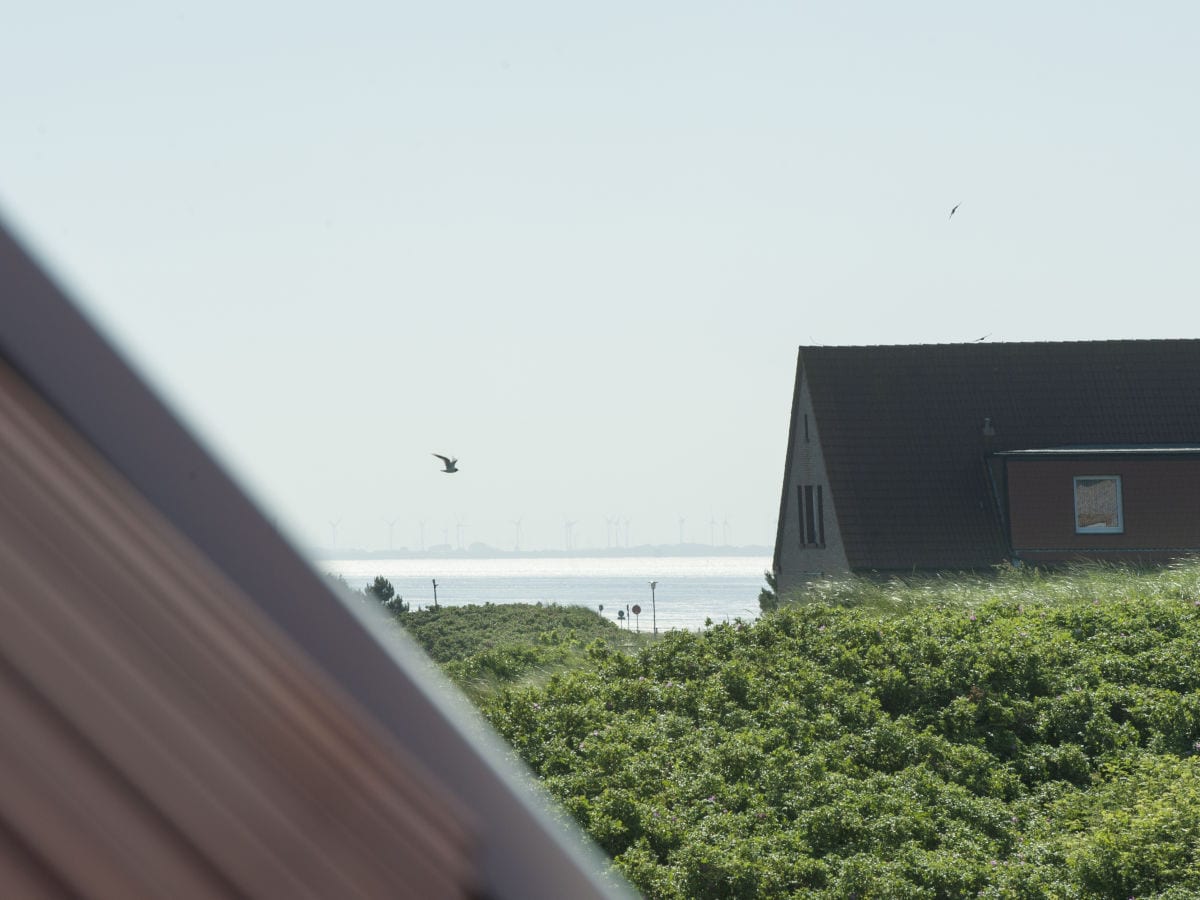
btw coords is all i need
(653, 610)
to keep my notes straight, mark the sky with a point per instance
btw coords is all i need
(578, 245)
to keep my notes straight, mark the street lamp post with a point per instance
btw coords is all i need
(434, 593)
(653, 611)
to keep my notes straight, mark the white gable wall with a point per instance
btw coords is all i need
(800, 561)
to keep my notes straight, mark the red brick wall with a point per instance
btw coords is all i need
(1161, 501)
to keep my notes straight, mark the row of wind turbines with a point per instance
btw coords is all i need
(617, 531)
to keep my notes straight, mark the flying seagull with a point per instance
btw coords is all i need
(450, 464)
(953, 211)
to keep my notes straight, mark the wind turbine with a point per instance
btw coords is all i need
(333, 524)
(681, 521)
(608, 532)
(712, 529)
(725, 530)
(391, 524)
(458, 530)
(626, 532)
(568, 527)
(516, 523)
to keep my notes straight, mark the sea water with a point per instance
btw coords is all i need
(689, 589)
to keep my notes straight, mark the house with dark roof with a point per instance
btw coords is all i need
(963, 456)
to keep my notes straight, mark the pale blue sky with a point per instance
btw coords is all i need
(578, 245)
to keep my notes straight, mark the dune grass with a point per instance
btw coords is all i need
(1086, 581)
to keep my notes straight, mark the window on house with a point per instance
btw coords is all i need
(1098, 504)
(811, 505)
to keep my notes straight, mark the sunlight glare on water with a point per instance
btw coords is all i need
(690, 589)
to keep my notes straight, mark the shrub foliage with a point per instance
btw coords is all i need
(484, 647)
(1029, 738)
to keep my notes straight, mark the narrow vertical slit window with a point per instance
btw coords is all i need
(810, 507)
(820, 517)
(806, 428)
(810, 515)
(800, 513)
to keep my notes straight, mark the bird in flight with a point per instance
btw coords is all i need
(451, 464)
(954, 210)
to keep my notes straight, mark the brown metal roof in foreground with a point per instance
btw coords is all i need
(188, 711)
(902, 430)
(161, 737)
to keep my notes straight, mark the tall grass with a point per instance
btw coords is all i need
(1086, 581)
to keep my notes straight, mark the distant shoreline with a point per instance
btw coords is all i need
(482, 551)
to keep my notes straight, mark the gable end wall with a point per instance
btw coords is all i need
(796, 562)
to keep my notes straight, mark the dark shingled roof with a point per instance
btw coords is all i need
(902, 431)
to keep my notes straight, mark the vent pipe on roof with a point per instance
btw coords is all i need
(988, 430)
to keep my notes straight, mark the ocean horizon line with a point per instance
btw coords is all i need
(483, 551)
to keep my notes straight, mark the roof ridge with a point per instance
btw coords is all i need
(1000, 343)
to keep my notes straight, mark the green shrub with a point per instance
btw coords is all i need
(1015, 735)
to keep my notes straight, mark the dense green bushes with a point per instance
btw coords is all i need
(1041, 743)
(483, 647)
